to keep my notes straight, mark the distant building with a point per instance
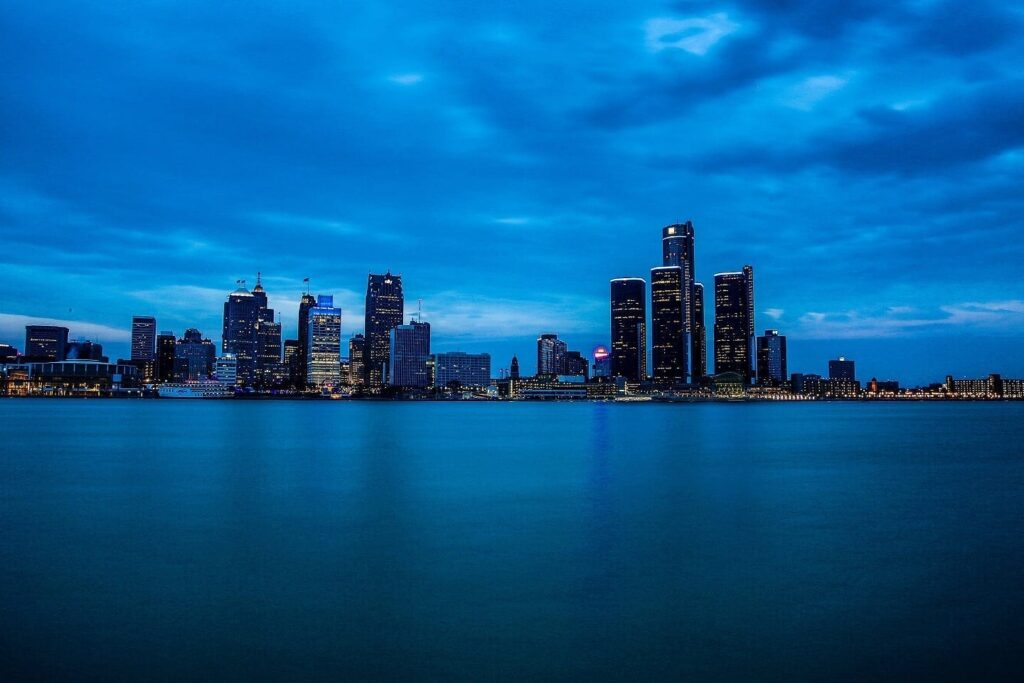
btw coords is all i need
(699, 347)
(841, 368)
(226, 370)
(291, 362)
(550, 355)
(513, 371)
(669, 337)
(576, 365)
(771, 359)
(307, 302)
(85, 350)
(8, 354)
(385, 310)
(455, 368)
(45, 343)
(357, 361)
(194, 356)
(324, 351)
(409, 348)
(268, 352)
(166, 352)
(629, 328)
(241, 312)
(734, 323)
(602, 362)
(143, 337)
(677, 248)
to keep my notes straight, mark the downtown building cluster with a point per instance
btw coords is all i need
(658, 350)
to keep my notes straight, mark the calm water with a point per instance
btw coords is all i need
(243, 540)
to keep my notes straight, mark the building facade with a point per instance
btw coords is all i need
(323, 352)
(629, 328)
(699, 346)
(143, 337)
(307, 302)
(195, 356)
(677, 249)
(45, 343)
(241, 313)
(455, 368)
(771, 359)
(357, 361)
(385, 310)
(734, 323)
(669, 347)
(409, 349)
(166, 353)
(842, 368)
(550, 355)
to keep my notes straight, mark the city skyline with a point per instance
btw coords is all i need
(869, 172)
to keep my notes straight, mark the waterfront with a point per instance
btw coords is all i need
(398, 540)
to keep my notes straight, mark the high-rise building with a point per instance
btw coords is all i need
(166, 352)
(226, 370)
(8, 354)
(456, 368)
(669, 348)
(734, 323)
(771, 359)
(357, 361)
(841, 368)
(629, 328)
(307, 302)
(143, 337)
(576, 365)
(602, 362)
(194, 356)
(513, 368)
(324, 351)
(385, 310)
(291, 361)
(83, 349)
(242, 310)
(677, 249)
(699, 346)
(260, 295)
(46, 342)
(268, 351)
(550, 355)
(410, 349)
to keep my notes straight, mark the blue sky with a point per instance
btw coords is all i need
(867, 158)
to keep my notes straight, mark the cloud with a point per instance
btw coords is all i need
(406, 79)
(695, 35)
(808, 92)
(1002, 317)
(773, 313)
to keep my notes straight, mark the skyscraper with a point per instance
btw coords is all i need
(669, 349)
(194, 356)
(513, 368)
(268, 351)
(409, 348)
(602, 362)
(241, 312)
(324, 350)
(771, 359)
(576, 364)
(842, 368)
(699, 346)
(291, 362)
(629, 328)
(734, 323)
(143, 337)
(357, 361)
(550, 355)
(385, 310)
(166, 353)
(46, 342)
(677, 249)
(307, 302)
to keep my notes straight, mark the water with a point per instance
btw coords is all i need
(160, 540)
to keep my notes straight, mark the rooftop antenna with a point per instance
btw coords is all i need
(419, 310)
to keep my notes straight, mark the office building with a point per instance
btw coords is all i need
(456, 369)
(194, 357)
(323, 352)
(629, 328)
(409, 348)
(385, 310)
(291, 361)
(841, 368)
(602, 362)
(576, 365)
(83, 349)
(734, 324)
(669, 347)
(45, 343)
(513, 371)
(550, 355)
(143, 337)
(226, 370)
(307, 302)
(268, 351)
(166, 352)
(357, 361)
(771, 359)
(8, 354)
(241, 312)
(699, 337)
(677, 249)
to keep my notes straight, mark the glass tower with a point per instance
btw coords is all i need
(734, 323)
(629, 328)
(669, 350)
(385, 310)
